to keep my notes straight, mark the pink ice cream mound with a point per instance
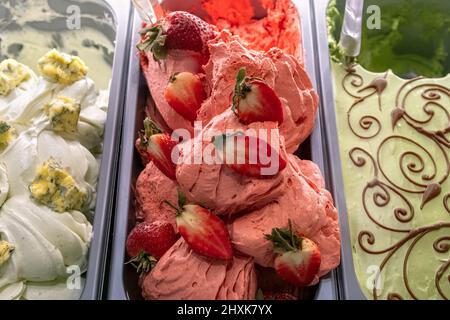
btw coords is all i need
(281, 71)
(218, 187)
(311, 211)
(183, 275)
(152, 188)
(268, 48)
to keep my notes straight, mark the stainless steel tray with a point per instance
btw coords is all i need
(349, 288)
(95, 278)
(123, 282)
(120, 12)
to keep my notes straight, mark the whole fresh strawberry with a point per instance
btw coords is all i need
(148, 242)
(249, 155)
(202, 230)
(255, 101)
(177, 30)
(185, 94)
(153, 145)
(298, 258)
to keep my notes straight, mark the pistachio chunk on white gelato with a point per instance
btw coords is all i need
(6, 249)
(61, 67)
(12, 74)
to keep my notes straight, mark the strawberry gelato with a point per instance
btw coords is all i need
(218, 187)
(309, 207)
(281, 71)
(262, 25)
(228, 54)
(158, 73)
(152, 188)
(265, 42)
(184, 275)
(312, 171)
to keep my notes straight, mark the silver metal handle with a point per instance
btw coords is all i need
(351, 30)
(148, 9)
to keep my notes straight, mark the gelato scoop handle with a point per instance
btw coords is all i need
(149, 10)
(351, 30)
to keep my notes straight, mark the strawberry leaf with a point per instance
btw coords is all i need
(143, 263)
(240, 76)
(150, 128)
(153, 40)
(181, 199)
(241, 89)
(284, 239)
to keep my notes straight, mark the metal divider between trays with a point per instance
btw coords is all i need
(348, 286)
(98, 253)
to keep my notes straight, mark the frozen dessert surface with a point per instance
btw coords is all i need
(152, 189)
(263, 25)
(30, 28)
(183, 275)
(393, 139)
(281, 71)
(310, 209)
(215, 185)
(158, 74)
(254, 57)
(51, 138)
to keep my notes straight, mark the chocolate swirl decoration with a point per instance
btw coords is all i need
(442, 245)
(415, 176)
(446, 202)
(382, 194)
(434, 125)
(421, 173)
(353, 84)
(410, 241)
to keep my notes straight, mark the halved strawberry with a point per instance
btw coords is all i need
(157, 147)
(202, 230)
(249, 155)
(298, 259)
(178, 30)
(148, 242)
(185, 94)
(255, 101)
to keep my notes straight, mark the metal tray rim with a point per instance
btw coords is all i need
(349, 287)
(106, 183)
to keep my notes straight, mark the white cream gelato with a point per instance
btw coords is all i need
(49, 246)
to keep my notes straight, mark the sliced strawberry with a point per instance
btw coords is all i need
(185, 94)
(255, 101)
(178, 30)
(142, 150)
(249, 155)
(298, 259)
(148, 242)
(157, 147)
(202, 230)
